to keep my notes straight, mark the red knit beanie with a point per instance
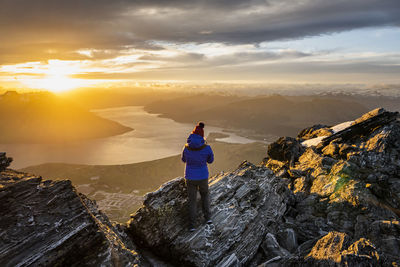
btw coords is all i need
(199, 129)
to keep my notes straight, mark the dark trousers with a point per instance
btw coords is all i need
(192, 187)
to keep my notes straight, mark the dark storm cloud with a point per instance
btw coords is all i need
(54, 29)
(122, 24)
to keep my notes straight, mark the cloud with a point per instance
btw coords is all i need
(154, 32)
(202, 60)
(104, 24)
(181, 57)
(321, 72)
(265, 67)
(255, 57)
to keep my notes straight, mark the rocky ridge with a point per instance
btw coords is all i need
(347, 191)
(47, 223)
(330, 197)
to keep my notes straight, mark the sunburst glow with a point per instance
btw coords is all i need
(55, 76)
(54, 83)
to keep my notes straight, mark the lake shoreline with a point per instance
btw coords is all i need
(152, 138)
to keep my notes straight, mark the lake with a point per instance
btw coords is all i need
(153, 138)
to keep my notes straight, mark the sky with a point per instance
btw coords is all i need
(59, 45)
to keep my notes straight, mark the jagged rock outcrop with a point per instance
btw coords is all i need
(363, 126)
(47, 223)
(347, 185)
(4, 161)
(244, 205)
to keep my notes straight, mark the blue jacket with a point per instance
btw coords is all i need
(196, 155)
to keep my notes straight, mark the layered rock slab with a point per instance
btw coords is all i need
(47, 223)
(244, 204)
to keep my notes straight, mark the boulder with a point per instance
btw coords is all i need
(288, 239)
(285, 149)
(329, 247)
(272, 248)
(335, 249)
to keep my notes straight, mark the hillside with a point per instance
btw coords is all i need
(118, 97)
(46, 118)
(276, 115)
(189, 108)
(255, 116)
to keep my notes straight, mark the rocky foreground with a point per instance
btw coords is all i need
(47, 223)
(330, 197)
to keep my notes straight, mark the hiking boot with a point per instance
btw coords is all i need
(191, 228)
(208, 220)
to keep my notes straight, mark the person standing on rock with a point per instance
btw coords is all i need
(196, 155)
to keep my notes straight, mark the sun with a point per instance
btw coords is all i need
(55, 76)
(55, 83)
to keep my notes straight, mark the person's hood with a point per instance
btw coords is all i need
(195, 141)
